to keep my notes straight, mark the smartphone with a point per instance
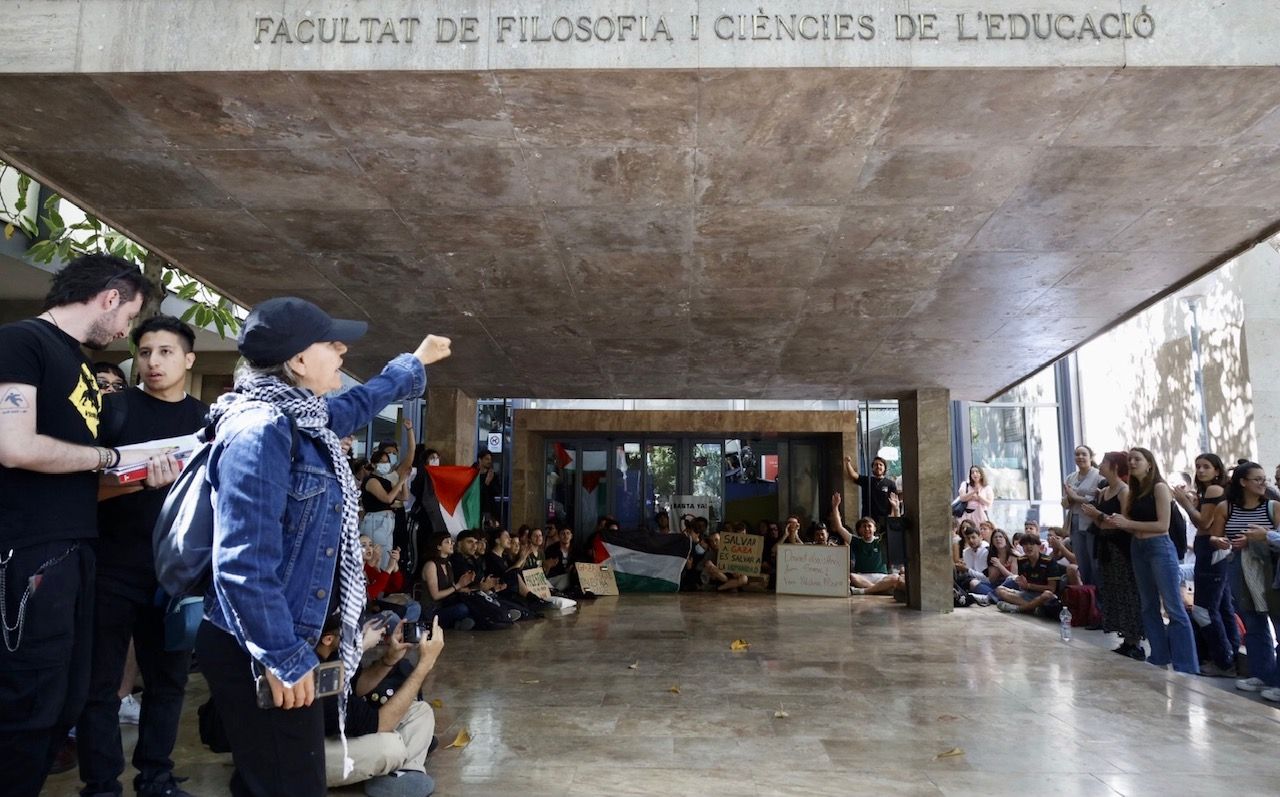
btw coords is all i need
(328, 677)
(413, 632)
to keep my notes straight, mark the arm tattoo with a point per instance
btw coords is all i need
(14, 402)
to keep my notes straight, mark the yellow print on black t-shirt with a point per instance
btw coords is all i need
(86, 399)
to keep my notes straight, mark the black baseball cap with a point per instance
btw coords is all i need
(279, 328)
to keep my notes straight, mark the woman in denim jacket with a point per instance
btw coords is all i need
(286, 552)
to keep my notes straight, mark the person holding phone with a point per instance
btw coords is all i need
(286, 552)
(389, 727)
(1245, 524)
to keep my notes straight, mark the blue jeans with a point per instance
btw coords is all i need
(1155, 568)
(1213, 595)
(449, 615)
(1258, 642)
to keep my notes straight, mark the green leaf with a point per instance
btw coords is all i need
(220, 324)
(42, 251)
(24, 185)
(166, 279)
(8, 231)
(189, 312)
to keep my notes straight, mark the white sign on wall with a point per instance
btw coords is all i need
(696, 505)
(495, 442)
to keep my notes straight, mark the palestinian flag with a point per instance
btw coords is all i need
(457, 489)
(644, 561)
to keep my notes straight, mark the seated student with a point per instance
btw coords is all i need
(1003, 564)
(791, 531)
(443, 596)
(560, 559)
(1060, 549)
(820, 535)
(690, 577)
(379, 582)
(1036, 586)
(498, 561)
(712, 577)
(388, 739)
(971, 570)
(868, 574)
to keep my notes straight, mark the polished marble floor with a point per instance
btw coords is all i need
(876, 696)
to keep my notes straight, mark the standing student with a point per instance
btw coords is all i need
(49, 474)
(286, 552)
(1117, 586)
(1145, 515)
(1079, 491)
(125, 599)
(1212, 573)
(877, 490)
(976, 495)
(1246, 522)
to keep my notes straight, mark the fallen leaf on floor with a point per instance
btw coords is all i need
(535, 681)
(947, 718)
(781, 713)
(634, 666)
(739, 644)
(675, 690)
(462, 740)
(952, 753)
(437, 703)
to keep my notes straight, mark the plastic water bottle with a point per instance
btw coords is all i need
(1064, 622)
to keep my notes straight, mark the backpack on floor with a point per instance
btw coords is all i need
(1083, 603)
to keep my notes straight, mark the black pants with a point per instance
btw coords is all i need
(117, 618)
(44, 682)
(277, 753)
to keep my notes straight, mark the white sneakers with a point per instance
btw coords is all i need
(130, 710)
(1272, 694)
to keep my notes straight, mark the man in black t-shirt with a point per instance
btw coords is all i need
(389, 728)
(879, 492)
(125, 598)
(1038, 579)
(49, 464)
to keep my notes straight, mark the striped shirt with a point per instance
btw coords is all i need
(1240, 519)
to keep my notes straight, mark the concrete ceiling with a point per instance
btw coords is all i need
(789, 233)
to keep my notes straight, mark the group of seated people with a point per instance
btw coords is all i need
(1023, 573)
(869, 572)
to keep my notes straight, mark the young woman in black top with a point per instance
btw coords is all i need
(1212, 569)
(441, 596)
(1145, 516)
(1117, 588)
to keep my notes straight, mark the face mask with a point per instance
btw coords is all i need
(699, 550)
(433, 461)
(383, 468)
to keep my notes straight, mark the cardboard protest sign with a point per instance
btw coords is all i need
(740, 553)
(596, 579)
(536, 581)
(821, 570)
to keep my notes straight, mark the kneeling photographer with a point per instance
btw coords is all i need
(389, 728)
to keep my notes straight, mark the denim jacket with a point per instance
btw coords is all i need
(277, 523)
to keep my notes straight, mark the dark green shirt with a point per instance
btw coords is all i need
(866, 557)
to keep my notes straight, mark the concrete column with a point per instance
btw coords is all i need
(451, 425)
(926, 482)
(1260, 292)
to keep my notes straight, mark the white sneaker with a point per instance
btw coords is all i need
(857, 591)
(130, 710)
(1272, 694)
(1250, 684)
(979, 600)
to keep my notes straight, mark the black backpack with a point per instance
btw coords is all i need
(182, 539)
